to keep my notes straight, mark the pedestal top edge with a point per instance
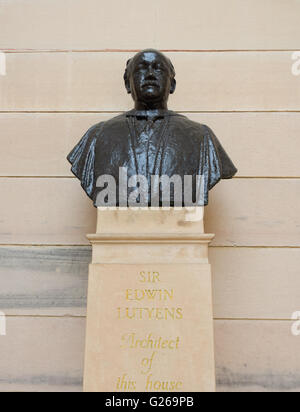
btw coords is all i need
(202, 238)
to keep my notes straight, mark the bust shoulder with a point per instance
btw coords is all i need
(187, 127)
(109, 129)
(115, 122)
(105, 130)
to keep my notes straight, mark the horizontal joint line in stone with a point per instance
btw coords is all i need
(158, 238)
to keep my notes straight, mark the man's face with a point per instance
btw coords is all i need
(150, 77)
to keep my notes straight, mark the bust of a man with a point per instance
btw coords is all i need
(150, 156)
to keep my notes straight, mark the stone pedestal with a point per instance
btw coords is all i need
(149, 322)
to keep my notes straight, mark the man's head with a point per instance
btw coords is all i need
(150, 78)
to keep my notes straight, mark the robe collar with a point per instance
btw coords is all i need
(153, 115)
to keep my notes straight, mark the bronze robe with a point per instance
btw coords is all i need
(167, 144)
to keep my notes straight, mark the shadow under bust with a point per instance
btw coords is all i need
(150, 156)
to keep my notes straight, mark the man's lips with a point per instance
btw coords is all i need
(149, 84)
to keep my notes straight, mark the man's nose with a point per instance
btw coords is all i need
(151, 73)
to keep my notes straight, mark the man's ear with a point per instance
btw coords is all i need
(173, 86)
(126, 78)
(127, 85)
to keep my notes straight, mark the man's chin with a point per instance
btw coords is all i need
(151, 97)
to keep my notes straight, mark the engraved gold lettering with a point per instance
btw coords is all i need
(125, 384)
(149, 294)
(158, 385)
(136, 313)
(149, 277)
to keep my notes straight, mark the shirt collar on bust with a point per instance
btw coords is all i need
(155, 114)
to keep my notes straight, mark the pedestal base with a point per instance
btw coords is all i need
(150, 322)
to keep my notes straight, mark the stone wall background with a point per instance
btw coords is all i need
(64, 65)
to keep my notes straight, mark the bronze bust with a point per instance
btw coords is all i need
(139, 148)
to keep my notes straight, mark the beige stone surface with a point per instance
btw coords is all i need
(255, 283)
(257, 356)
(145, 235)
(46, 353)
(232, 81)
(254, 212)
(150, 325)
(242, 212)
(248, 283)
(150, 221)
(42, 354)
(61, 215)
(117, 250)
(168, 24)
(36, 144)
